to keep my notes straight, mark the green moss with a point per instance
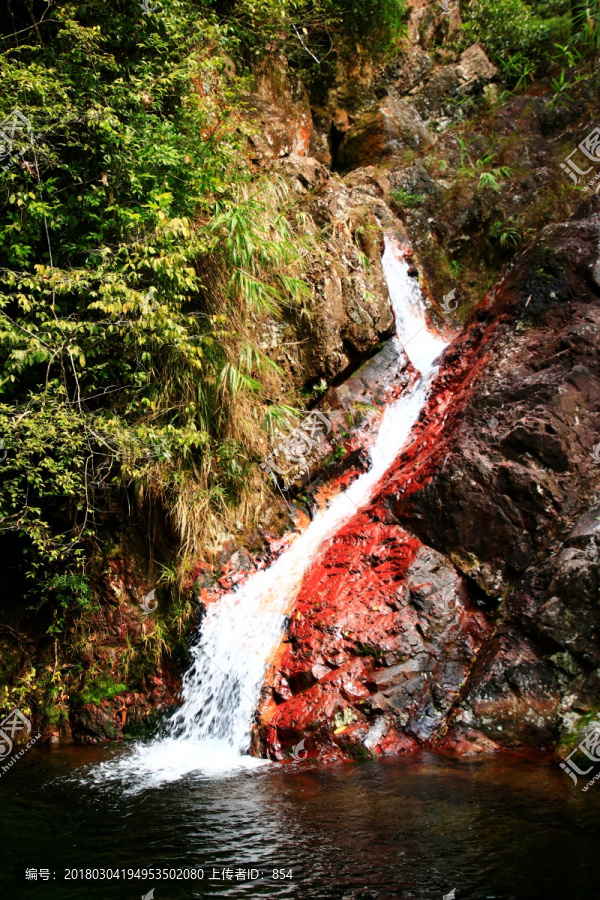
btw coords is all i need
(101, 688)
(570, 740)
(407, 200)
(55, 715)
(356, 751)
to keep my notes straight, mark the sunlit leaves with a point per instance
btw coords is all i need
(133, 274)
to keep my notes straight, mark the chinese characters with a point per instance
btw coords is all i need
(590, 747)
(12, 128)
(590, 147)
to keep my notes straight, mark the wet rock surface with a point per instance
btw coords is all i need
(460, 609)
(509, 489)
(380, 641)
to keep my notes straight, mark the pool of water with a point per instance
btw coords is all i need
(422, 827)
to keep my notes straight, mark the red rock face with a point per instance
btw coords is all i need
(384, 629)
(380, 640)
(510, 492)
(459, 610)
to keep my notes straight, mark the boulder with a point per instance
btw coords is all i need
(512, 694)
(474, 66)
(388, 129)
(452, 82)
(411, 70)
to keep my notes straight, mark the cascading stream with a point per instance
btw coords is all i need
(210, 732)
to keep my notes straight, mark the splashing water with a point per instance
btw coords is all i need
(210, 732)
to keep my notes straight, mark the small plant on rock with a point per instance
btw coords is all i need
(406, 199)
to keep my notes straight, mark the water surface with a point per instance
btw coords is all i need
(419, 827)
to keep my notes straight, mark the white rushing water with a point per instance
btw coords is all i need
(210, 732)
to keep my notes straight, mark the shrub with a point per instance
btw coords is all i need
(135, 257)
(515, 33)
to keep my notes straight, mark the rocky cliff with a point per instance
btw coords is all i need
(459, 610)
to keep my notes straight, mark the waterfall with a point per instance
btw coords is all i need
(210, 732)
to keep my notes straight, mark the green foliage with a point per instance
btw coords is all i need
(99, 688)
(518, 35)
(506, 236)
(313, 34)
(44, 473)
(565, 88)
(489, 179)
(72, 592)
(586, 28)
(37, 691)
(376, 22)
(518, 69)
(373, 23)
(136, 256)
(570, 55)
(490, 176)
(19, 693)
(406, 199)
(339, 453)
(315, 391)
